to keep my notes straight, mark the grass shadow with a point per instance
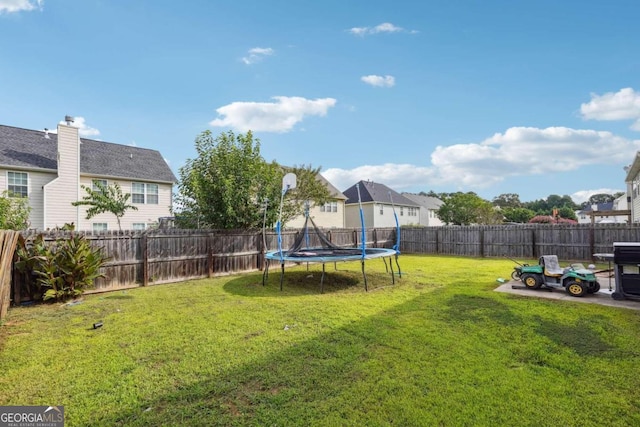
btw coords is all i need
(296, 283)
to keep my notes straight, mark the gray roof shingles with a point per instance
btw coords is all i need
(30, 149)
(375, 192)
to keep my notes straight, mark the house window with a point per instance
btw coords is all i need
(329, 207)
(18, 184)
(99, 226)
(139, 226)
(381, 209)
(142, 193)
(96, 182)
(401, 211)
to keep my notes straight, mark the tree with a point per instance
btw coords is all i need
(226, 185)
(567, 213)
(464, 209)
(14, 212)
(507, 200)
(596, 199)
(308, 188)
(521, 215)
(105, 199)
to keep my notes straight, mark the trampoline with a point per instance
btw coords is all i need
(327, 252)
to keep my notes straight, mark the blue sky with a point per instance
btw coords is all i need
(529, 97)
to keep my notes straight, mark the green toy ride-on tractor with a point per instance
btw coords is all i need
(575, 279)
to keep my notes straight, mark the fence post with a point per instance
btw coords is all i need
(210, 255)
(533, 243)
(481, 242)
(145, 260)
(592, 238)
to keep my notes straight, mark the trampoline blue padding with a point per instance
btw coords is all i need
(325, 255)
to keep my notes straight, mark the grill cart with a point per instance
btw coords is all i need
(626, 258)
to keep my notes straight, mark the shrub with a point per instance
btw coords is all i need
(548, 219)
(62, 269)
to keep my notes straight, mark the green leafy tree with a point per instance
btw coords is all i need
(553, 201)
(14, 212)
(567, 213)
(226, 185)
(521, 215)
(308, 188)
(106, 199)
(507, 200)
(465, 209)
(596, 199)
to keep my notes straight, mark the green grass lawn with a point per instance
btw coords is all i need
(438, 348)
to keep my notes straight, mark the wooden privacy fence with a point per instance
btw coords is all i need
(527, 241)
(163, 256)
(8, 240)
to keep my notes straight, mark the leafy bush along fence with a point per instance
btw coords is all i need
(528, 241)
(163, 256)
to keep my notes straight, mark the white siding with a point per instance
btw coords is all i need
(36, 180)
(322, 219)
(61, 192)
(146, 213)
(373, 218)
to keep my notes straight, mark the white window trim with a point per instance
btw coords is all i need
(28, 181)
(145, 193)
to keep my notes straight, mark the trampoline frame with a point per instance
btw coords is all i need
(312, 255)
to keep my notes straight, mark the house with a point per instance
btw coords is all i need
(329, 215)
(605, 213)
(50, 169)
(633, 187)
(428, 207)
(378, 205)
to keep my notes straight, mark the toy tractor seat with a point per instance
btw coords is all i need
(551, 265)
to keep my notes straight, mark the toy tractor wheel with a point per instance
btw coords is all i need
(532, 281)
(575, 289)
(594, 288)
(515, 275)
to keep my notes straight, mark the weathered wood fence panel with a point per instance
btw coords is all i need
(161, 256)
(8, 240)
(528, 241)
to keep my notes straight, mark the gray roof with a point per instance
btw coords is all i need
(30, 149)
(374, 192)
(424, 201)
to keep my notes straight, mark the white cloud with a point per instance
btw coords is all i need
(385, 27)
(622, 105)
(279, 116)
(10, 6)
(379, 81)
(516, 152)
(529, 151)
(583, 195)
(396, 176)
(257, 54)
(83, 128)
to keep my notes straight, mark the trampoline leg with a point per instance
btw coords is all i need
(322, 280)
(265, 273)
(281, 275)
(393, 276)
(366, 288)
(399, 271)
(385, 265)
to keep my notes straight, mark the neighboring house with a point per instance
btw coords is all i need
(49, 169)
(377, 206)
(604, 213)
(428, 207)
(329, 215)
(633, 187)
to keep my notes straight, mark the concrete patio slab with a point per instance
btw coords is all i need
(602, 297)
